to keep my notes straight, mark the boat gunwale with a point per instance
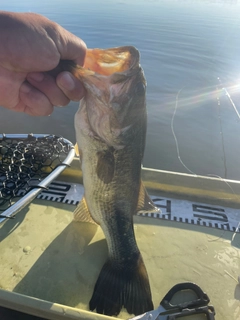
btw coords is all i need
(212, 190)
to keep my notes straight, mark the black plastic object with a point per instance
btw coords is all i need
(207, 310)
(196, 306)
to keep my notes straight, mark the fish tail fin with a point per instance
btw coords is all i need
(122, 286)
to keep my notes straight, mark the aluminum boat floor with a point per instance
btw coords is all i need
(44, 254)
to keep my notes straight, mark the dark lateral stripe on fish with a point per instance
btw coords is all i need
(122, 286)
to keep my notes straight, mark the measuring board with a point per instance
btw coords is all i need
(171, 209)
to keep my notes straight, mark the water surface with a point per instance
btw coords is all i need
(185, 47)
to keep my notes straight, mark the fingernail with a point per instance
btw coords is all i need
(25, 88)
(66, 81)
(36, 76)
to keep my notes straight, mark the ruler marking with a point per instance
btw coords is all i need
(171, 209)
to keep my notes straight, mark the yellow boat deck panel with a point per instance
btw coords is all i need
(49, 263)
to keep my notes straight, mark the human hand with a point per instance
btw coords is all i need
(31, 45)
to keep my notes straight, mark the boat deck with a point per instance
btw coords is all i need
(49, 263)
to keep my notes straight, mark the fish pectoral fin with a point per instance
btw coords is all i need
(105, 165)
(81, 213)
(145, 203)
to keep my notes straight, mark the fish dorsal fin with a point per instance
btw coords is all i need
(145, 204)
(81, 213)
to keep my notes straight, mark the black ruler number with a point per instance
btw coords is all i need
(58, 190)
(209, 213)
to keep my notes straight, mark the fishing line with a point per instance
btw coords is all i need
(237, 230)
(238, 226)
(225, 165)
(177, 145)
(174, 135)
(224, 180)
(229, 97)
(214, 60)
(222, 137)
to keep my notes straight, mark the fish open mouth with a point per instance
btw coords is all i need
(103, 62)
(109, 61)
(106, 62)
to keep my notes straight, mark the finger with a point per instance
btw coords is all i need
(33, 102)
(47, 85)
(71, 47)
(71, 86)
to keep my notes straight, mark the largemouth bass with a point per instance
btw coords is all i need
(110, 130)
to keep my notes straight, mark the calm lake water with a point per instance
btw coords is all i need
(186, 47)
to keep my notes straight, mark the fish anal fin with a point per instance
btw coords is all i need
(145, 203)
(121, 286)
(105, 165)
(81, 213)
